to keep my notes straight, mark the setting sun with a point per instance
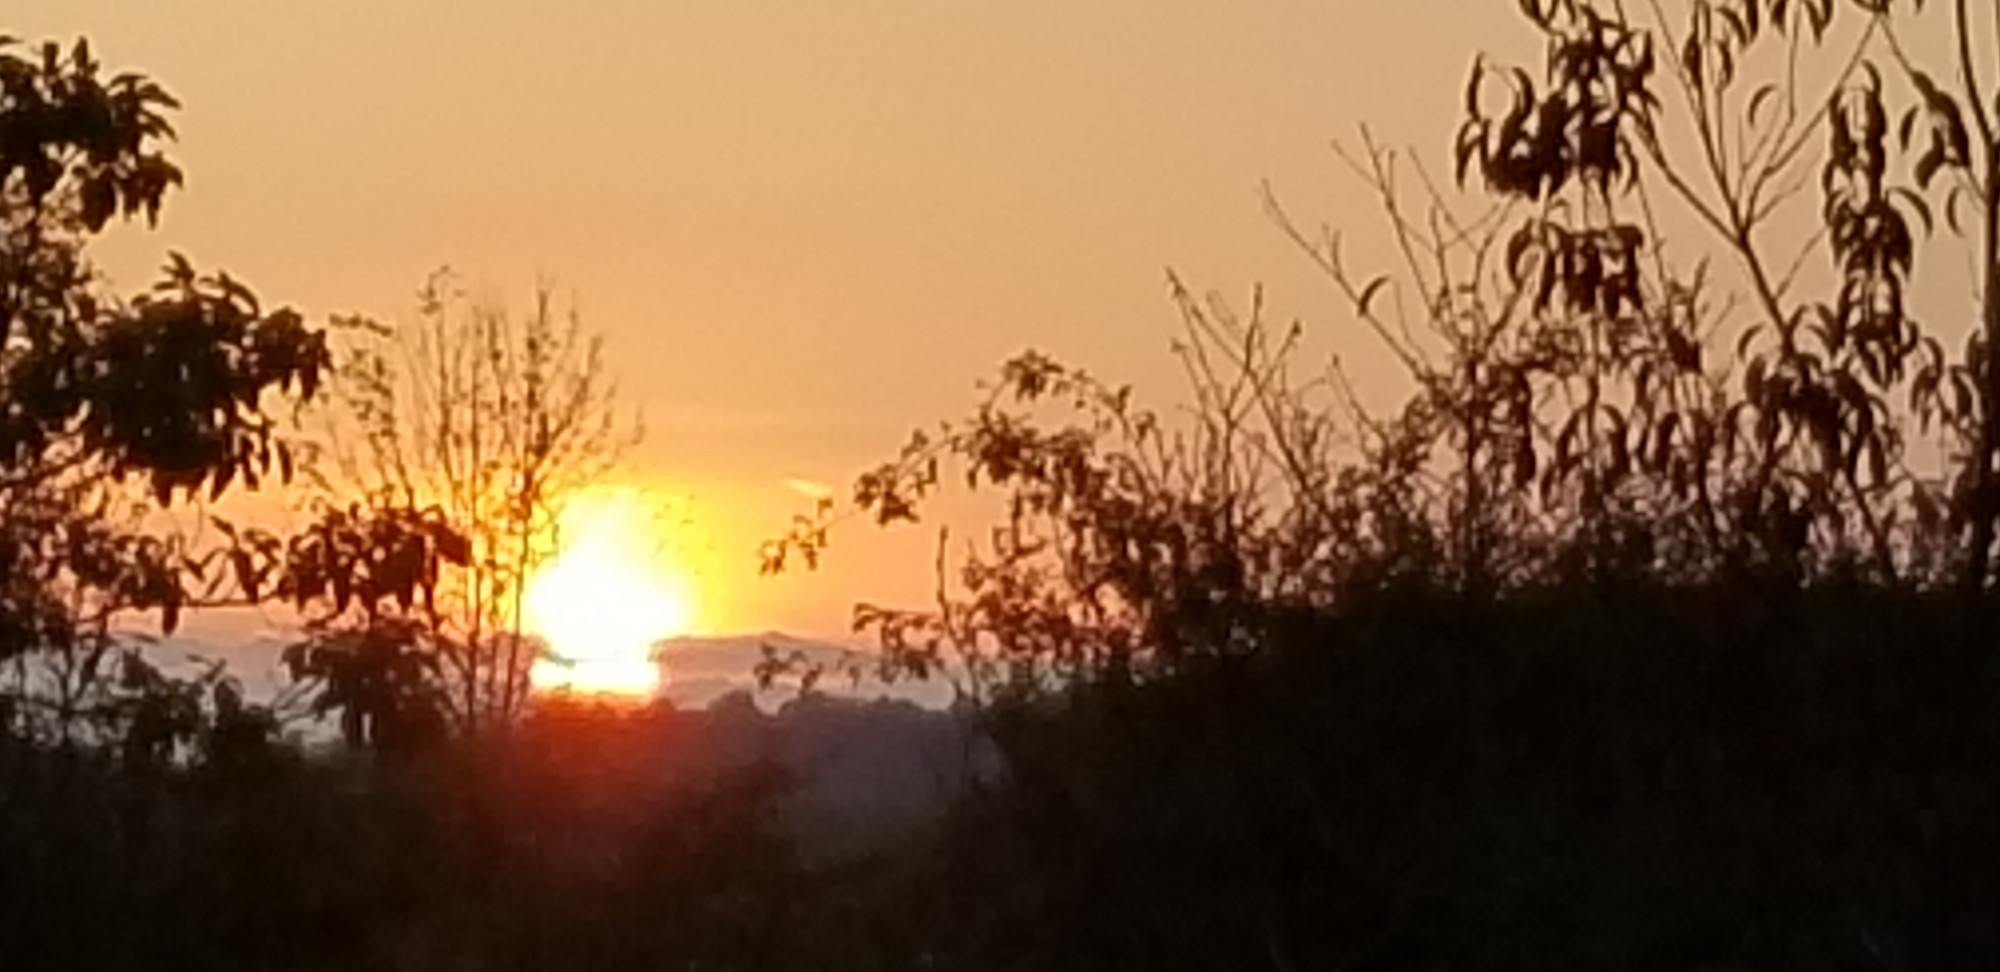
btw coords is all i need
(611, 592)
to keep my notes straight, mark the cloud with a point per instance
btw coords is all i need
(811, 489)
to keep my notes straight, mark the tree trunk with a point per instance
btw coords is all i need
(1982, 506)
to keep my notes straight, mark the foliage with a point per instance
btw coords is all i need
(1576, 411)
(1637, 776)
(364, 582)
(171, 392)
(462, 435)
(585, 840)
(1652, 629)
(1646, 632)
(1819, 371)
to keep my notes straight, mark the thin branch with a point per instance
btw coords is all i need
(1968, 75)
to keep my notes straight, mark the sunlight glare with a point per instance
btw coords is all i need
(611, 592)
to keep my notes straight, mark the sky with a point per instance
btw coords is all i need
(803, 227)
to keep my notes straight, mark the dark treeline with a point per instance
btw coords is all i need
(1654, 629)
(595, 839)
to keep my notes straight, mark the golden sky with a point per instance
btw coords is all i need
(804, 226)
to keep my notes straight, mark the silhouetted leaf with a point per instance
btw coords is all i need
(1361, 303)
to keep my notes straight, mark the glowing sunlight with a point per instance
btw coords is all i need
(612, 591)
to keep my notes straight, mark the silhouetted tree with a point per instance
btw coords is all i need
(111, 408)
(1629, 638)
(364, 580)
(1728, 111)
(489, 422)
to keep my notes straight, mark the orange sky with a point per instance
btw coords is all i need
(804, 225)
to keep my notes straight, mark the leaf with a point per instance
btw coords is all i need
(1368, 295)
(1743, 340)
(1471, 140)
(220, 483)
(1754, 382)
(1763, 94)
(1736, 24)
(1929, 163)
(248, 577)
(1820, 15)
(1621, 456)
(1518, 246)
(453, 546)
(1663, 439)
(98, 201)
(1917, 205)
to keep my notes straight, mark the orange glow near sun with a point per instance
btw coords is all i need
(612, 590)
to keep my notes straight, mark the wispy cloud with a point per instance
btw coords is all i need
(811, 489)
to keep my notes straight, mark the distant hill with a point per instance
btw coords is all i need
(701, 669)
(697, 669)
(867, 761)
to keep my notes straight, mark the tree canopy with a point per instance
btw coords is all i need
(110, 406)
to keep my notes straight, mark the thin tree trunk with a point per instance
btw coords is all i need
(1979, 556)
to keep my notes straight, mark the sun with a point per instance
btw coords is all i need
(613, 589)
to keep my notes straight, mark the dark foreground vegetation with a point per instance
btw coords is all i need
(1625, 776)
(1656, 629)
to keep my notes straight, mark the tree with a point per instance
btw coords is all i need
(1649, 207)
(365, 580)
(111, 409)
(1575, 408)
(463, 433)
(1655, 500)
(1720, 117)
